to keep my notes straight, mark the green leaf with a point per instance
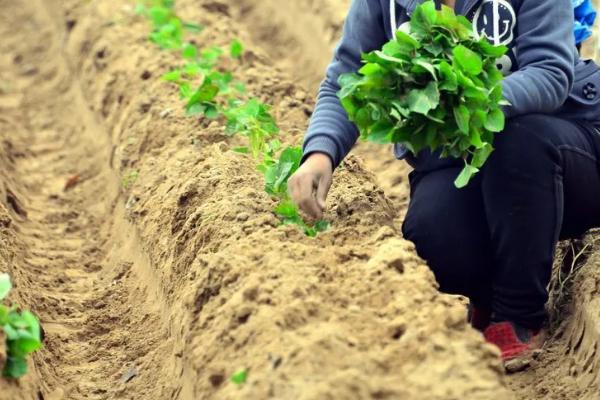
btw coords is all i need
(434, 48)
(496, 94)
(172, 76)
(211, 111)
(381, 133)
(206, 92)
(367, 69)
(241, 150)
(422, 101)
(448, 76)
(3, 315)
(391, 59)
(159, 16)
(189, 51)
(465, 176)
(495, 120)
(195, 109)
(277, 175)
(426, 66)
(287, 209)
(322, 225)
(5, 285)
(490, 50)
(468, 60)
(26, 345)
(481, 155)
(10, 332)
(425, 14)
(406, 43)
(462, 117)
(16, 367)
(475, 138)
(478, 118)
(236, 49)
(193, 27)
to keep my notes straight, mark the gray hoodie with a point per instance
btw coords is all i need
(544, 73)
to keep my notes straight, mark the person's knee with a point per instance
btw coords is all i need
(521, 133)
(526, 142)
(432, 237)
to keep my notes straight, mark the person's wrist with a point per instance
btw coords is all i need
(321, 159)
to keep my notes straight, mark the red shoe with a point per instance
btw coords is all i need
(518, 345)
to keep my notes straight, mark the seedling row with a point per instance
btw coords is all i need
(212, 92)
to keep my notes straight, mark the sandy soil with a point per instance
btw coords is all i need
(164, 289)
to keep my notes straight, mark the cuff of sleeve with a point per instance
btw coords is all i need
(322, 144)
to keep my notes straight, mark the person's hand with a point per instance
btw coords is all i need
(310, 184)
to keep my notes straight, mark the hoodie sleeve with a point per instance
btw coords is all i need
(545, 55)
(330, 131)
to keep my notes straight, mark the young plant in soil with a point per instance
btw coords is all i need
(22, 332)
(435, 85)
(212, 93)
(168, 28)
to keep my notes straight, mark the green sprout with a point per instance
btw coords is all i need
(22, 332)
(240, 377)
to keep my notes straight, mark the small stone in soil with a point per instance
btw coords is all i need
(129, 375)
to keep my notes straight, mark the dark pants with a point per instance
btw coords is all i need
(495, 240)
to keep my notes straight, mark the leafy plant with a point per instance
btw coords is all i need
(22, 331)
(253, 120)
(236, 49)
(433, 86)
(209, 83)
(277, 175)
(129, 178)
(168, 27)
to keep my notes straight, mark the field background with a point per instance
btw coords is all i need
(161, 272)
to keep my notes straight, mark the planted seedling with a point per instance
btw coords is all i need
(236, 49)
(167, 26)
(129, 178)
(277, 175)
(240, 377)
(22, 332)
(433, 86)
(253, 120)
(200, 83)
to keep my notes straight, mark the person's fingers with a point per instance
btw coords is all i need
(311, 208)
(322, 190)
(306, 198)
(293, 188)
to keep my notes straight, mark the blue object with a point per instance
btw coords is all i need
(585, 16)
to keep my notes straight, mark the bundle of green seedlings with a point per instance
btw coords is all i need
(434, 86)
(214, 94)
(22, 333)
